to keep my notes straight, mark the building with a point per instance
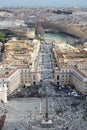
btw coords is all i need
(71, 77)
(18, 65)
(31, 32)
(72, 68)
(28, 77)
(12, 78)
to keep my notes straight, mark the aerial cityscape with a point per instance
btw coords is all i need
(43, 65)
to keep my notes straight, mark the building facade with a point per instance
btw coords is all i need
(71, 77)
(14, 79)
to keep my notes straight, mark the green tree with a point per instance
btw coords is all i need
(39, 30)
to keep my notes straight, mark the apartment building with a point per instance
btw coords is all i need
(18, 66)
(62, 77)
(28, 77)
(72, 69)
(79, 80)
(10, 77)
(21, 52)
(31, 32)
(71, 77)
(13, 78)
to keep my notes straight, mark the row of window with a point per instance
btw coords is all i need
(63, 76)
(25, 76)
(66, 70)
(25, 71)
(25, 81)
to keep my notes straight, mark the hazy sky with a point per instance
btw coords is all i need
(43, 3)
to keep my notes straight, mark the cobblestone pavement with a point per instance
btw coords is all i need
(23, 110)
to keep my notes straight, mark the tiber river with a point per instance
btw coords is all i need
(59, 37)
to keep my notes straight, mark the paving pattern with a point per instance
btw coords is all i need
(23, 111)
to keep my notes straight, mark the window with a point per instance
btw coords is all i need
(34, 82)
(57, 83)
(33, 76)
(57, 77)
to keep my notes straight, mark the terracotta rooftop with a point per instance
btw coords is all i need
(80, 72)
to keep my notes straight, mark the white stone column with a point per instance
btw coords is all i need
(3, 93)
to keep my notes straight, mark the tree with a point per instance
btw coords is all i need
(39, 30)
